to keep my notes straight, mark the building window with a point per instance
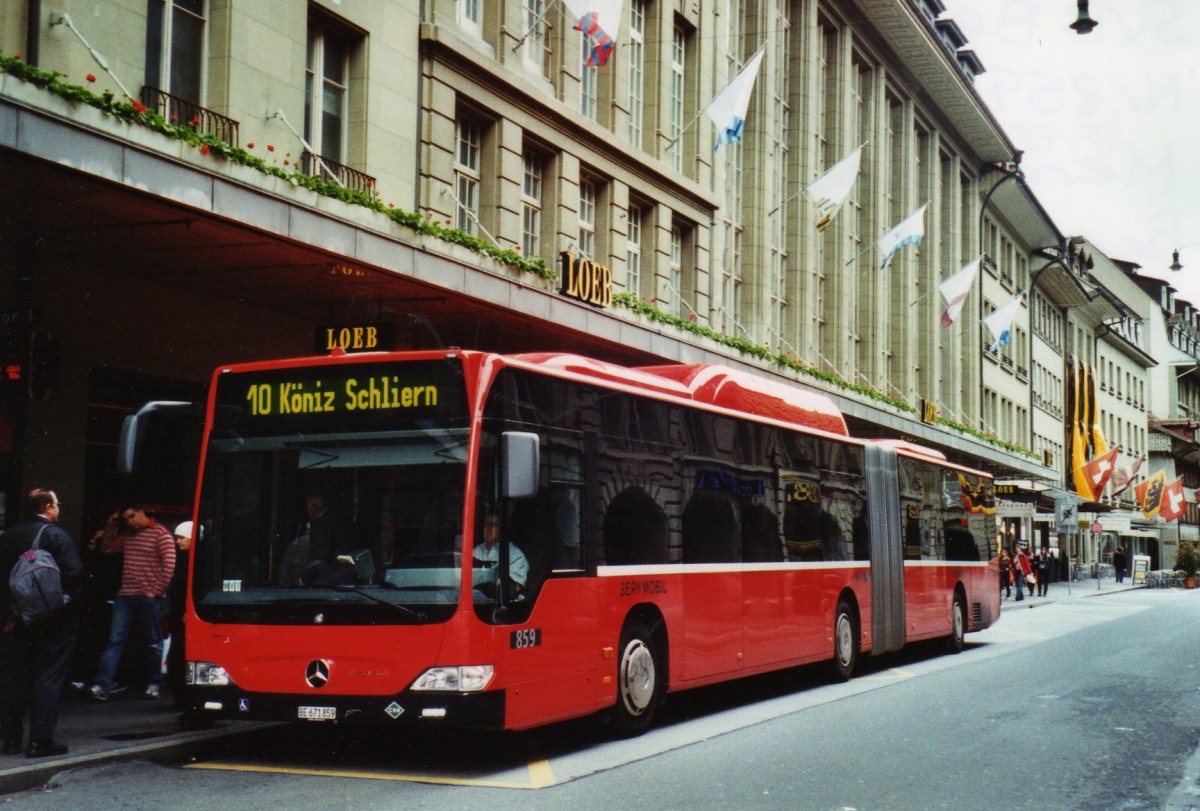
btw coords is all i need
(589, 82)
(633, 252)
(175, 49)
(636, 54)
(587, 219)
(676, 305)
(535, 35)
(531, 203)
(467, 175)
(676, 100)
(470, 16)
(326, 78)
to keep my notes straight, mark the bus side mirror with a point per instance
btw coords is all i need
(519, 461)
(136, 427)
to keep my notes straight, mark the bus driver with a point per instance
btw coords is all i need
(488, 553)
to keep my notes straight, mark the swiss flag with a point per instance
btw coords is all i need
(1100, 470)
(1173, 502)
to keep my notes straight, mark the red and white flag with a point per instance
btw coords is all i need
(1100, 470)
(1123, 477)
(1173, 501)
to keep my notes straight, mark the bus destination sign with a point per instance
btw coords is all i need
(309, 397)
(316, 396)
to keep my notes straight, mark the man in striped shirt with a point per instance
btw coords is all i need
(145, 579)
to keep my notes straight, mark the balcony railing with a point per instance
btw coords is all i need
(181, 111)
(326, 169)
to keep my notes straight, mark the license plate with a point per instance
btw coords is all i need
(317, 713)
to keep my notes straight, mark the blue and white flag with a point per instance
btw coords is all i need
(728, 108)
(956, 289)
(1000, 322)
(909, 232)
(830, 191)
(600, 20)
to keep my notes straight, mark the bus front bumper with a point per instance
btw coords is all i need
(484, 710)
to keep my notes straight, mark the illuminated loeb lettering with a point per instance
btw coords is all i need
(352, 338)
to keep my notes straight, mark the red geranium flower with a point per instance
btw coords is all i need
(270, 147)
(204, 150)
(249, 145)
(138, 107)
(91, 77)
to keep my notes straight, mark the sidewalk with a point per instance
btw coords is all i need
(1062, 590)
(123, 727)
(128, 727)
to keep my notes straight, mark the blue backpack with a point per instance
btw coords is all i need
(35, 584)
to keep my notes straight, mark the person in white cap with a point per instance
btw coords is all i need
(176, 606)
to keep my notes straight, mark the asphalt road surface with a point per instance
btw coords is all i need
(1092, 702)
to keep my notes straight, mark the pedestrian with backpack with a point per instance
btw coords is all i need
(39, 621)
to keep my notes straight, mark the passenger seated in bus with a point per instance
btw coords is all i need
(326, 541)
(487, 554)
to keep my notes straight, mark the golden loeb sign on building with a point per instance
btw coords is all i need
(583, 279)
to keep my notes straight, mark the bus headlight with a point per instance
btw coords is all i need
(463, 679)
(207, 674)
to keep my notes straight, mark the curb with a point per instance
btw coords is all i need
(35, 773)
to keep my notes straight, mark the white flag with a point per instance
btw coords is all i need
(728, 108)
(830, 190)
(600, 20)
(999, 323)
(956, 289)
(909, 232)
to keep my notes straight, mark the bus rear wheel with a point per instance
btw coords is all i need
(845, 642)
(958, 625)
(639, 682)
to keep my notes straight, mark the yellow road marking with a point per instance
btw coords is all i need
(540, 774)
(892, 673)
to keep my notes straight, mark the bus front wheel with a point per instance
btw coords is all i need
(639, 681)
(845, 641)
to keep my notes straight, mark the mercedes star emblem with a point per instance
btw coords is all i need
(317, 673)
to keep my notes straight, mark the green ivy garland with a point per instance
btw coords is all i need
(135, 112)
(763, 352)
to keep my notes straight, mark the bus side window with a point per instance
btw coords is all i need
(635, 530)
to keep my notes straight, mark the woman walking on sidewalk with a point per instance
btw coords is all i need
(1022, 569)
(1005, 574)
(1042, 564)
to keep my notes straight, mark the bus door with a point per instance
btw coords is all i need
(887, 554)
(713, 598)
(545, 616)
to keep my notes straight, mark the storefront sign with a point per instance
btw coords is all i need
(583, 279)
(929, 412)
(355, 337)
(1007, 508)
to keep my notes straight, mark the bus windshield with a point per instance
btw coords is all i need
(333, 494)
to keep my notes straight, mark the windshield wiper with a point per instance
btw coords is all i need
(419, 616)
(323, 459)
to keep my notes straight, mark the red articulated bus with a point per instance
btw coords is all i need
(463, 539)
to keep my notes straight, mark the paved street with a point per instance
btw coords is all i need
(1078, 697)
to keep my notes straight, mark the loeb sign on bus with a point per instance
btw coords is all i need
(583, 279)
(354, 337)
